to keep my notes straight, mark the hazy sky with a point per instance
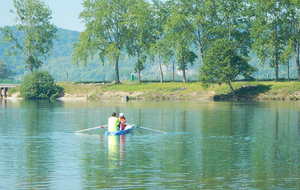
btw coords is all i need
(65, 13)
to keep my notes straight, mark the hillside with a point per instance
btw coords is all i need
(60, 65)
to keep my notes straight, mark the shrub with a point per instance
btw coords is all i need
(223, 63)
(40, 85)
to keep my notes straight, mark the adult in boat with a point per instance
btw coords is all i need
(113, 123)
(122, 120)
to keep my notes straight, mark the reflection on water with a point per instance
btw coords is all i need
(208, 146)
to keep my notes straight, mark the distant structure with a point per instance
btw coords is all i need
(4, 89)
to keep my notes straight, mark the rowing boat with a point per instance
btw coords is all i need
(127, 130)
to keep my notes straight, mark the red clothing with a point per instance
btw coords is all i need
(122, 123)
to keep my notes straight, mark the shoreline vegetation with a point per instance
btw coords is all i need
(175, 91)
(223, 38)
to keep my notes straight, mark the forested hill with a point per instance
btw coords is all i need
(60, 65)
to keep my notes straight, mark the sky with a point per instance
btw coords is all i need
(65, 13)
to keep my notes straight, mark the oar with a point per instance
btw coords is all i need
(89, 129)
(154, 130)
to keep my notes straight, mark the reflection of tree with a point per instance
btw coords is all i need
(225, 150)
(37, 145)
(117, 108)
(173, 120)
(3, 103)
(140, 117)
(217, 145)
(277, 124)
(247, 118)
(273, 152)
(298, 123)
(161, 124)
(184, 120)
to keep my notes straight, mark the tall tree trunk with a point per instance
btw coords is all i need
(29, 64)
(201, 55)
(161, 71)
(183, 69)
(173, 77)
(138, 67)
(184, 75)
(276, 54)
(288, 70)
(139, 76)
(117, 70)
(276, 69)
(231, 87)
(298, 58)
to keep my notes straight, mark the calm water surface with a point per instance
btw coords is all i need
(207, 146)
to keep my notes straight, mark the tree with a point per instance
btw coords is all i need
(196, 18)
(4, 71)
(269, 29)
(33, 21)
(185, 57)
(160, 48)
(161, 52)
(178, 32)
(223, 64)
(40, 85)
(106, 32)
(293, 33)
(140, 32)
(208, 20)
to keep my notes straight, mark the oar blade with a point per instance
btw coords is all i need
(90, 129)
(154, 130)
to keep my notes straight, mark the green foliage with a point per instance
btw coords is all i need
(269, 32)
(106, 31)
(223, 63)
(177, 29)
(140, 32)
(33, 20)
(182, 32)
(160, 50)
(4, 71)
(40, 85)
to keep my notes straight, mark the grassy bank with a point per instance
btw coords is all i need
(260, 91)
(146, 91)
(188, 91)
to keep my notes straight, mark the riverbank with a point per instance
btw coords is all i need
(256, 91)
(245, 91)
(134, 91)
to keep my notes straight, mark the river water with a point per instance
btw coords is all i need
(207, 146)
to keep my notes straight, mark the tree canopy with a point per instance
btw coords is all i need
(158, 34)
(34, 21)
(223, 63)
(5, 72)
(106, 31)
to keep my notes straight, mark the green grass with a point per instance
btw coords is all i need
(288, 87)
(153, 87)
(13, 90)
(132, 87)
(180, 90)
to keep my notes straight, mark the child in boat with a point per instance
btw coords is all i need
(122, 120)
(113, 123)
